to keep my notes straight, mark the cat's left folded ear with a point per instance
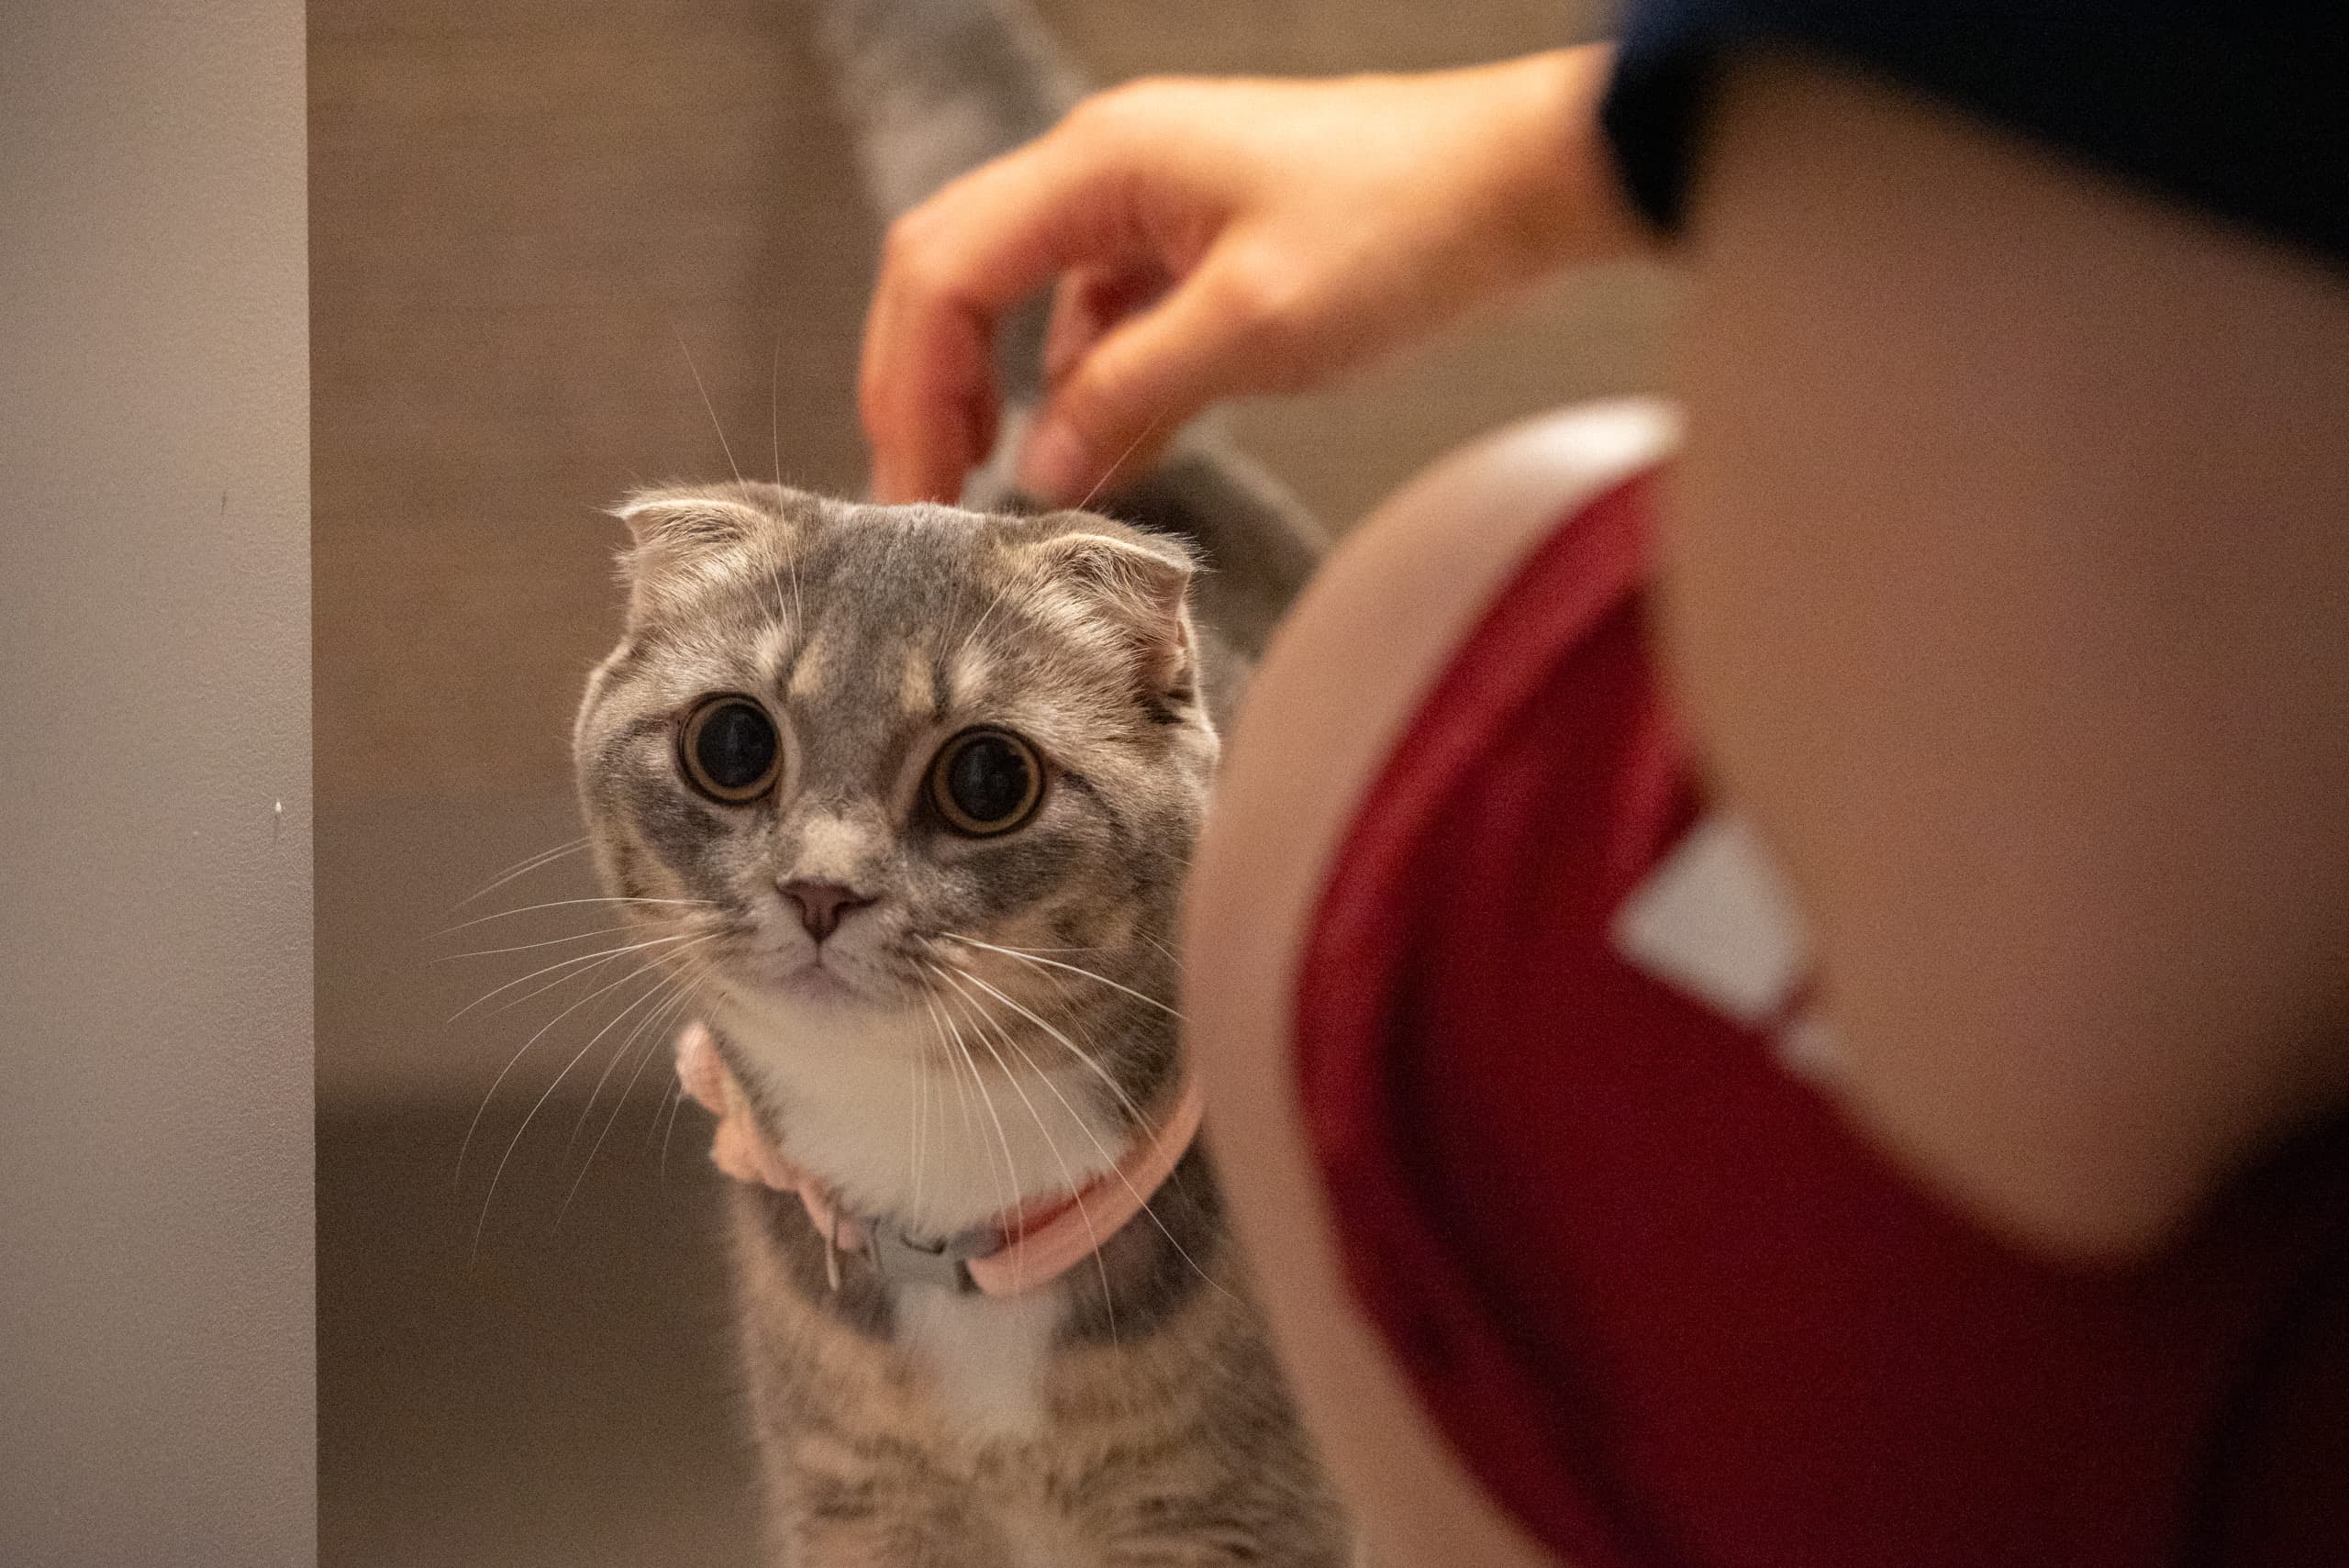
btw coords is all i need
(1140, 581)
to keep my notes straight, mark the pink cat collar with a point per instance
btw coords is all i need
(1032, 1245)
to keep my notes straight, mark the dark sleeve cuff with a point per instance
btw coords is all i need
(2238, 110)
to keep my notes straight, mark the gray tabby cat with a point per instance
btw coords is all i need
(908, 793)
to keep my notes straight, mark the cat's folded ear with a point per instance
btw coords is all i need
(682, 519)
(679, 539)
(1138, 582)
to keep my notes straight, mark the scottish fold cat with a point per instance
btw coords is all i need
(905, 796)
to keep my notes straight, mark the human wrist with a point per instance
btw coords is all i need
(1558, 200)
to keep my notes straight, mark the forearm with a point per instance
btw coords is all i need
(1569, 206)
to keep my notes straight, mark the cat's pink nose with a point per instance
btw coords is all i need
(821, 905)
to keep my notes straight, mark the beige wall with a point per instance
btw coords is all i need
(155, 1247)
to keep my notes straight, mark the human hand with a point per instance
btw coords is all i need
(1211, 238)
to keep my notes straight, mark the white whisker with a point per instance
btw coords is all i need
(660, 1110)
(1071, 968)
(916, 1103)
(568, 964)
(528, 947)
(1108, 1302)
(660, 1019)
(593, 962)
(1134, 1111)
(565, 903)
(521, 869)
(1075, 1190)
(676, 1104)
(605, 1077)
(655, 989)
(775, 398)
(962, 1094)
(1140, 1121)
(1131, 447)
(659, 980)
(993, 605)
(722, 444)
(512, 1061)
(1010, 1165)
(775, 435)
(1050, 1145)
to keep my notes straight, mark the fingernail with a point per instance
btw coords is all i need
(1054, 465)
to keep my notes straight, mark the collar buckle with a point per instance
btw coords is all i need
(900, 1259)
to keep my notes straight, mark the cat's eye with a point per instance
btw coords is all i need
(986, 782)
(729, 749)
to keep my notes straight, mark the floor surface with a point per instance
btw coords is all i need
(556, 1394)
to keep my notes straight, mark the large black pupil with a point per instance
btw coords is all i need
(988, 779)
(735, 746)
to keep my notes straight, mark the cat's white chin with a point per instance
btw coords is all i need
(811, 982)
(793, 986)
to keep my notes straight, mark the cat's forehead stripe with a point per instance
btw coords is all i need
(966, 677)
(771, 649)
(812, 670)
(916, 691)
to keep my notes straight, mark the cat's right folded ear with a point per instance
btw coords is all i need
(677, 521)
(680, 538)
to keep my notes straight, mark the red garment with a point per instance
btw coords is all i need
(1670, 1309)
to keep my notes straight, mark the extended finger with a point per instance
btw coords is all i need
(1113, 411)
(1089, 302)
(950, 269)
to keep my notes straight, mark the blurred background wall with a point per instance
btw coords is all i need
(525, 215)
(155, 1118)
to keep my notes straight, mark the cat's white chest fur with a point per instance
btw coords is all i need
(986, 1356)
(938, 1148)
